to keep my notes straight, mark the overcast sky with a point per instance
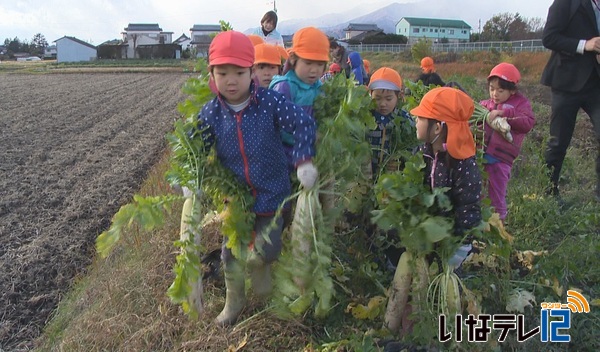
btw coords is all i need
(97, 21)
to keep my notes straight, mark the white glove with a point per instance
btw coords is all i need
(307, 174)
(187, 193)
(501, 125)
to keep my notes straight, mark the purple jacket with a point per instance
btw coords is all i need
(519, 116)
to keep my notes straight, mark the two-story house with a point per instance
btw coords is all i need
(360, 29)
(202, 35)
(146, 35)
(433, 29)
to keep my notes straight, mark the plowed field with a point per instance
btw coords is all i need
(73, 149)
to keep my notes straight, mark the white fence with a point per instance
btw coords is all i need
(516, 46)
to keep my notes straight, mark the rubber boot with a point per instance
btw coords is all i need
(260, 276)
(235, 297)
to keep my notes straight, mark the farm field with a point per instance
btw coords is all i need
(73, 149)
(76, 145)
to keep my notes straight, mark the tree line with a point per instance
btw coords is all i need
(34, 47)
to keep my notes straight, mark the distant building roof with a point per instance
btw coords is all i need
(361, 27)
(206, 28)
(143, 27)
(181, 38)
(364, 35)
(435, 22)
(77, 41)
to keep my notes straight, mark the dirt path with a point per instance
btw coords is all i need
(73, 149)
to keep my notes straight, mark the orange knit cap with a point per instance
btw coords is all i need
(255, 39)
(455, 108)
(231, 47)
(367, 65)
(427, 64)
(310, 43)
(266, 54)
(386, 78)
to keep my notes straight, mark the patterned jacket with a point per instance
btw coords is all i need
(464, 180)
(249, 142)
(519, 116)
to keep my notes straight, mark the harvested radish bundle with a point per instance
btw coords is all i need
(198, 169)
(343, 116)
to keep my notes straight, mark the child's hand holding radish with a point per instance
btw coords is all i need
(307, 175)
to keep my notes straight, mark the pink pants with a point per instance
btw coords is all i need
(498, 177)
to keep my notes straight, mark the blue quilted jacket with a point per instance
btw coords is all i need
(249, 142)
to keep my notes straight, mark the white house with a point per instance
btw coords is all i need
(71, 49)
(183, 40)
(144, 34)
(433, 29)
(202, 35)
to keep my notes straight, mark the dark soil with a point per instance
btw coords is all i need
(73, 149)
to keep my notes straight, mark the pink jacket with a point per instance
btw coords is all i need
(519, 115)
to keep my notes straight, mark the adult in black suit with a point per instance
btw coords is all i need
(572, 32)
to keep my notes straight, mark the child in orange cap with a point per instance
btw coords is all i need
(429, 76)
(386, 90)
(306, 64)
(243, 124)
(255, 39)
(393, 123)
(510, 112)
(267, 63)
(443, 124)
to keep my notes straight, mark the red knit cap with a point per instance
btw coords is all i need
(231, 47)
(455, 108)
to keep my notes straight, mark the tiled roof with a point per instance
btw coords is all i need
(206, 28)
(361, 27)
(145, 27)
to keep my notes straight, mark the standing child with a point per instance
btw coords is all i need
(243, 123)
(386, 90)
(429, 76)
(267, 63)
(509, 110)
(449, 151)
(305, 66)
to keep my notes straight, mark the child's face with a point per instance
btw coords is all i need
(385, 99)
(233, 82)
(265, 73)
(426, 132)
(309, 71)
(497, 94)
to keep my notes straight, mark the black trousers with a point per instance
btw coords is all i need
(565, 106)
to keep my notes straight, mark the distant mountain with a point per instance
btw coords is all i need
(345, 16)
(474, 12)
